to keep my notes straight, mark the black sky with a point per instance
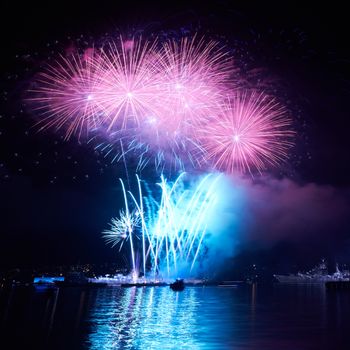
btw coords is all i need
(56, 197)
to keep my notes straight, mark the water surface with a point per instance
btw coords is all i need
(247, 317)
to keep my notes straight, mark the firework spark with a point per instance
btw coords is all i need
(251, 132)
(122, 227)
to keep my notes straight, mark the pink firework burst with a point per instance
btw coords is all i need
(65, 94)
(195, 76)
(252, 131)
(165, 102)
(129, 83)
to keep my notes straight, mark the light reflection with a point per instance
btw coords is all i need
(209, 318)
(143, 318)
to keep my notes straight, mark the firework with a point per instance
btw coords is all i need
(180, 224)
(121, 228)
(152, 96)
(251, 132)
(194, 77)
(172, 228)
(130, 83)
(65, 95)
(195, 74)
(165, 103)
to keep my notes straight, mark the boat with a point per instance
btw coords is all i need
(178, 285)
(318, 274)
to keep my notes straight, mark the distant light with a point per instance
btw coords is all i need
(178, 86)
(129, 95)
(89, 97)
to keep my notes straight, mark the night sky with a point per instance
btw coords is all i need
(56, 197)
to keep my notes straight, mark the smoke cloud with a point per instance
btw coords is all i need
(281, 209)
(259, 214)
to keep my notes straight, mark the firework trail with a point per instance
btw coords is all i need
(251, 132)
(172, 229)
